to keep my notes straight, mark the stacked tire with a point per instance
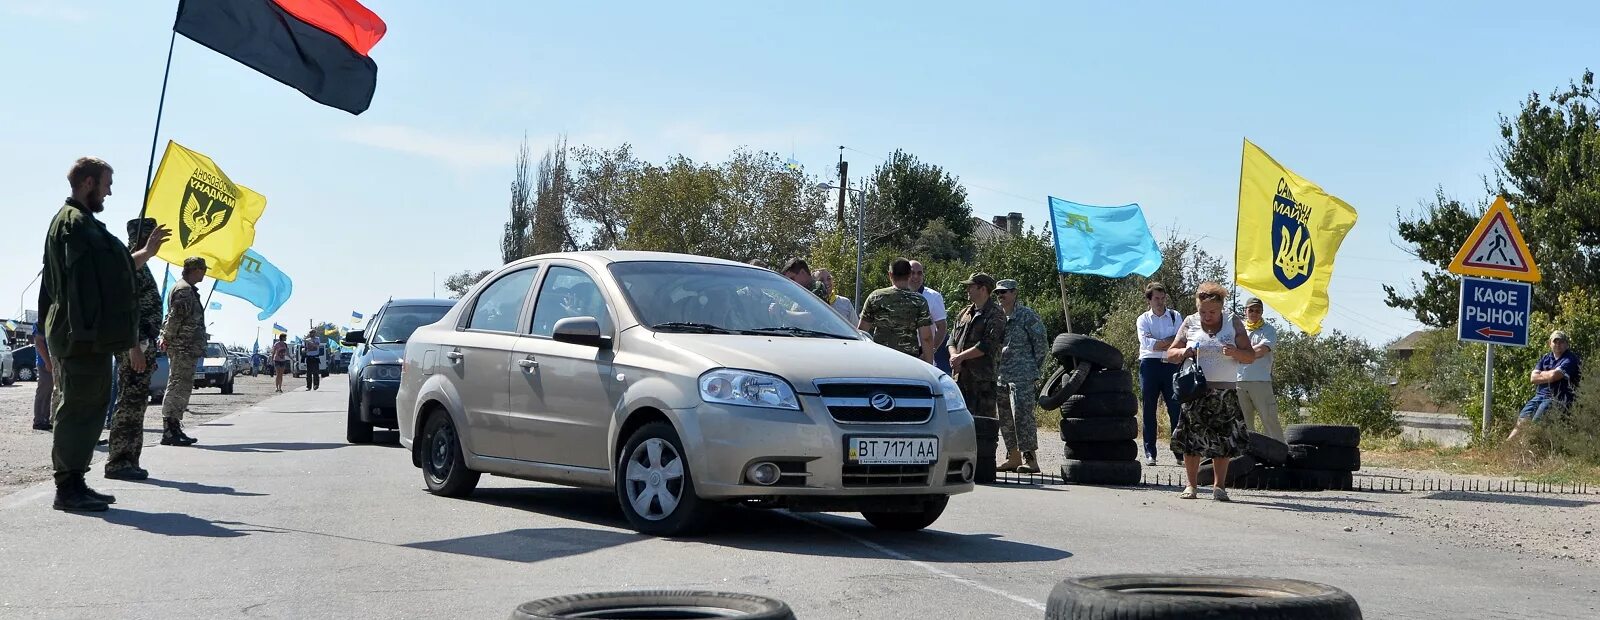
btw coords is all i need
(1264, 465)
(1098, 412)
(1323, 456)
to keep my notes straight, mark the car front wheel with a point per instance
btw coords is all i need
(654, 484)
(355, 430)
(444, 467)
(25, 374)
(909, 521)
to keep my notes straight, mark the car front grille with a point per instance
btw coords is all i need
(877, 402)
(884, 475)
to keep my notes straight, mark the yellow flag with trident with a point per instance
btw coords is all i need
(1289, 230)
(209, 215)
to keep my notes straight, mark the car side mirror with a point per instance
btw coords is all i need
(581, 330)
(354, 338)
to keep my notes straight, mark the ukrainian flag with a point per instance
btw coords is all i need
(278, 329)
(355, 317)
(1289, 230)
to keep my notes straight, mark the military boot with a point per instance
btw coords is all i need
(72, 495)
(126, 471)
(173, 435)
(1030, 463)
(1013, 460)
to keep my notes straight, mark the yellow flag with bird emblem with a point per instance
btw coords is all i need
(1289, 230)
(209, 215)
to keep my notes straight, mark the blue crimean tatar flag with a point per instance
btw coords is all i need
(1103, 241)
(216, 305)
(261, 283)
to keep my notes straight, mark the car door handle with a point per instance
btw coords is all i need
(455, 356)
(529, 364)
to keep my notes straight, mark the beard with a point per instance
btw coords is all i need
(95, 204)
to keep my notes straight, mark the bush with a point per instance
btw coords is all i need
(1574, 434)
(1356, 395)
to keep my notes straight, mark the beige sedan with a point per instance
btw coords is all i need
(683, 383)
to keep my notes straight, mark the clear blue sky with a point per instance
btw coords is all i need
(1095, 102)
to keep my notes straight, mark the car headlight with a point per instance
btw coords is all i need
(384, 372)
(953, 400)
(751, 389)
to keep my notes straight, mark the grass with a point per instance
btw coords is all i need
(1507, 459)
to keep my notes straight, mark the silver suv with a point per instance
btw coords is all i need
(682, 383)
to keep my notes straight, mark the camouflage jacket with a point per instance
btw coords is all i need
(1025, 347)
(186, 320)
(148, 298)
(896, 314)
(984, 328)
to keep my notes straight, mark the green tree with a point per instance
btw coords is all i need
(514, 242)
(599, 192)
(550, 230)
(460, 282)
(904, 195)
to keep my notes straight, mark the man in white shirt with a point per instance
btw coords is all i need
(936, 309)
(1156, 329)
(1255, 378)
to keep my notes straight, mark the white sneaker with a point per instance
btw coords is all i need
(1150, 460)
(1220, 494)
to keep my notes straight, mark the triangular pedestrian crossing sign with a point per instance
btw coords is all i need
(1496, 249)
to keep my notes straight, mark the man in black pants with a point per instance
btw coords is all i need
(311, 352)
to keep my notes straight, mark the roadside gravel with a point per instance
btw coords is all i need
(25, 453)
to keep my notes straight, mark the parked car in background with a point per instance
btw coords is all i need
(375, 366)
(8, 371)
(679, 382)
(25, 363)
(241, 363)
(214, 369)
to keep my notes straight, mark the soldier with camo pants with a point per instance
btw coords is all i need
(1018, 373)
(127, 423)
(185, 335)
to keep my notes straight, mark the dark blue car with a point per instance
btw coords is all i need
(375, 366)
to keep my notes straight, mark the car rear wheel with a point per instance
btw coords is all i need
(444, 467)
(909, 521)
(654, 484)
(25, 374)
(355, 430)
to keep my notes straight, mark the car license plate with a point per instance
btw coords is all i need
(892, 450)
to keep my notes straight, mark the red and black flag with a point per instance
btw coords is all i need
(317, 46)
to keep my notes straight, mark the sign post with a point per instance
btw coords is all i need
(1494, 312)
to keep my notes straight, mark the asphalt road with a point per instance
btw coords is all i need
(275, 516)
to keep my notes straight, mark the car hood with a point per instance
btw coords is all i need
(386, 353)
(801, 360)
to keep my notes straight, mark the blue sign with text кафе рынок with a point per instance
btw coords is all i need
(1495, 311)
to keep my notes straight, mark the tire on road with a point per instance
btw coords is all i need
(1111, 473)
(1102, 450)
(355, 430)
(655, 604)
(1086, 349)
(1268, 450)
(1163, 597)
(227, 388)
(1108, 381)
(1331, 458)
(1062, 384)
(26, 374)
(1103, 405)
(1083, 430)
(909, 521)
(444, 464)
(1238, 468)
(688, 513)
(1321, 480)
(1323, 435)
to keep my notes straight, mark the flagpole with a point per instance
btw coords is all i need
(161, 104)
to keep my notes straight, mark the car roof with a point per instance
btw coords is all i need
(421, 301)
(601, 258)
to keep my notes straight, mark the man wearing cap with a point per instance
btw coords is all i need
(1556, 379)
(185, 336)
(1255, 378)
(975, 344)
(127, 422)
(1016, 395)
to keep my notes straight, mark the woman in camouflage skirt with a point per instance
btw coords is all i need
(1212, 426)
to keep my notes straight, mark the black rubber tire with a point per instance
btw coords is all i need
(355, 430)
(1102, 450)
(1165, 597)
(1268, 450)
(909, 521)
(1321, 480)
(1330, 458)
(1123, 405)
(1264, 477)
(1238, 468)
(1111, 473)
(26, 374)
(691, 514)
(227, 388)
(1062, 384)
(1086, 349)
(1084, 430)
(655, 604)
(1108, 381)
(1323, 435)
(155, 399)
(447, 475)
(7, 381)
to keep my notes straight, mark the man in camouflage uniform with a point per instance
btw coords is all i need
(975, 343)
(127, 423)
(1018, 373)
(896, 316)
(185, 336)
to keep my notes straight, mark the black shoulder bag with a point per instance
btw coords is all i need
(1189, 383)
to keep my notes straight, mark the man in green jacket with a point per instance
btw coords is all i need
(91, 315)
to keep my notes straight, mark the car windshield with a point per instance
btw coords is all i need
(398, 322)
(216, 350)
(717, 299)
